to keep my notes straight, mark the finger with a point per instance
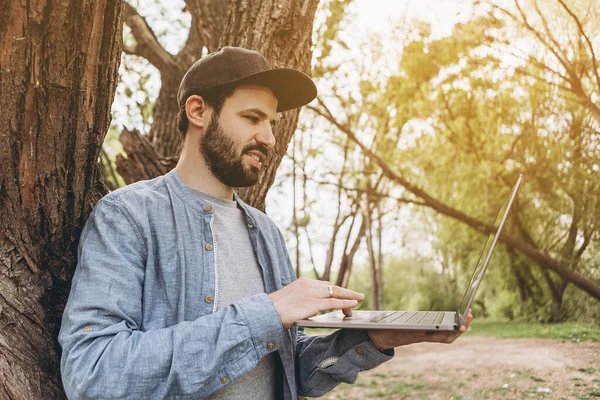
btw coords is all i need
(336, 304)
(441, 337)
(342, 293)
(347, 312)
(446, 336)
(467, 322)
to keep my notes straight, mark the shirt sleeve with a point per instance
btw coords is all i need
(106, 355)
(323, 362)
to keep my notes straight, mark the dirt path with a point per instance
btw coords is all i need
(484, 368)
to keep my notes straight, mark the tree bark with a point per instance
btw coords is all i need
(142, 159)
(57, 82)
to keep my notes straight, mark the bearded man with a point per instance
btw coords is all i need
(183, 291)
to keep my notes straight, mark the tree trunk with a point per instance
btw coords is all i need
(57, 82)
(343, 277)
(380, 255)
(375, 295)
(164, 135)
(520, 281)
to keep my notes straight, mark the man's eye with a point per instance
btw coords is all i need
(252, 119)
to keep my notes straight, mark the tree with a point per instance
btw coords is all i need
(57, 82)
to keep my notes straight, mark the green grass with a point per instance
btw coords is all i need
(568, 331)
(588, 370)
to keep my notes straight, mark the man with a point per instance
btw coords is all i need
(184, 291)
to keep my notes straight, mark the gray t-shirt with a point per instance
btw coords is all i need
(239, 276)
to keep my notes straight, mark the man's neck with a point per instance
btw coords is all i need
(194, 172)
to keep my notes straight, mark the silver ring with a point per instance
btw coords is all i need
(330, 288)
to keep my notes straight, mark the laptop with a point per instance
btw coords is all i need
(420, 320)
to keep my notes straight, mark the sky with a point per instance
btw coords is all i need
(379, 15)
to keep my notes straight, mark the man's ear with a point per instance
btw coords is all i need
(196, 110)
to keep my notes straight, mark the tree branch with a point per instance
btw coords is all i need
(572, 78)
(209, 18)
(587, 40)
(147, 44)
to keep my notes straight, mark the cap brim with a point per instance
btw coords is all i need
(292, 88)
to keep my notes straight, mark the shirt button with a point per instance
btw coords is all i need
(224, 380)
(271, 346)
(250, 226)
(359, 350)
(208, 247)
(208, 299)
(207, 208)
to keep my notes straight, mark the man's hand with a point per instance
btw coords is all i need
(385, 339)
(305, 298)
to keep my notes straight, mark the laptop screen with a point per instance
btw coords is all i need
(486, 253)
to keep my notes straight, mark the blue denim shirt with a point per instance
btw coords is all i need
(141, 322)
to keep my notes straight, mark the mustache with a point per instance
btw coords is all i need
(257, 147)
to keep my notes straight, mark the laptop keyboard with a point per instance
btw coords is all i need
(428, 317)
(410, 317)
(382, 316)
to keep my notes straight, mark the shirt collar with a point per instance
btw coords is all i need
(194, 201)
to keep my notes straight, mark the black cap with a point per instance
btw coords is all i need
(235, 65)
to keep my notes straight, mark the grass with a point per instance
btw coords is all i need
(588, 370)
(569, 331)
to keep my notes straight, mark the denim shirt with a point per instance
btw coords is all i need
(141, 321)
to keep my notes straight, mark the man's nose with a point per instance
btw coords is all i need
(266, 136)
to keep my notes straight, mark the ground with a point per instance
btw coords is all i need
(484, 368)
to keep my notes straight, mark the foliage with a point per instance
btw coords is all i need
(460, 116)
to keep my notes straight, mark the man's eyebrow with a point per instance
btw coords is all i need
(263, 114)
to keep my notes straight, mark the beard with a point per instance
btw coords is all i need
(220, 151)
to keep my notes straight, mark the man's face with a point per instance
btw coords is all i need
(238, 140)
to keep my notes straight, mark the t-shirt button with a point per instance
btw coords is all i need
(208, 299)
(207, 208)
(224, 380)
(271, 346)
(208, 247)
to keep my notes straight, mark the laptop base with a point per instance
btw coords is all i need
(402, 320)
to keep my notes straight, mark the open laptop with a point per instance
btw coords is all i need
(420, 320)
